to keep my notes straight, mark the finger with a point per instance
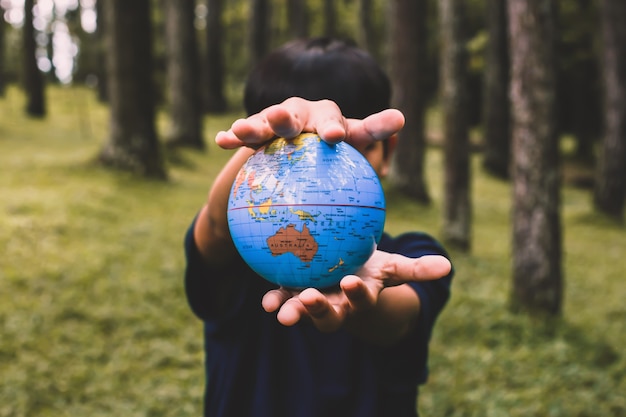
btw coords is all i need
(291, 312)
(323, 314)
(226, 139)
(328, 121)
(255, 129)
(322, 117)
(252, 131)
(286, 119)
(272, 300)
(360, 296)
(243, 133)
(401, 269)
(378, 126)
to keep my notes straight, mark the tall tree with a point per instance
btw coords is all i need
(370, 29)
(182, 75)
(215, 98)
(366, 35)
(33, 79)
(537, 274)
(298, 18)
(101, 74)
(132, 143)
(496, 108)
(330, 18)
(259, 30)
(3, 25)
(408, 57)
(610, 183)
(49, 33)
(454, 97)
(578, 77)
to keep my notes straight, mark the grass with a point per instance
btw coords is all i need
(93, 319)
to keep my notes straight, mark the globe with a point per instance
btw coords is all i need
(305, 213)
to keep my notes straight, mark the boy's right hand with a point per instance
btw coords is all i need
(296, 115)
(359, 295)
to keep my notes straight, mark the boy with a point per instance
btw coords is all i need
(356, 350)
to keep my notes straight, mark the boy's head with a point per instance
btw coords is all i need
(321, 68)
(316, 69)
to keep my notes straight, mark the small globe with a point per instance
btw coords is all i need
(305, 213)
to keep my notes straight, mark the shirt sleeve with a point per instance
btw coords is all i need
(433, 297)
(195, 286)
(200, 289)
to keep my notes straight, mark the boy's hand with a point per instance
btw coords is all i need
(296, 115)
(357, 294)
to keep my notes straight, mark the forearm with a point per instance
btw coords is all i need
(211, 232)
(390, 319)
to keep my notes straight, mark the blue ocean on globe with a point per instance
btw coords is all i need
(305, 213)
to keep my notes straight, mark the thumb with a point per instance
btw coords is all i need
(401, 269)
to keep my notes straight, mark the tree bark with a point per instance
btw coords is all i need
(367, 34)
(182, 75)
(215, 98)
(496, 110)
(33, 79)
(537, 274)
(370, 30)
(101, 39)
(610, 184)
(330, 18)
(298, 18)
(51, 74)
(578, 78)
(259, 30)
(407, 71)
(3, 25)
(454, 96)
(132, 144)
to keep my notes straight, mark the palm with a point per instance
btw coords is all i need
(329, 309)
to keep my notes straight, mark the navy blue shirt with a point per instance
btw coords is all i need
(257, 367)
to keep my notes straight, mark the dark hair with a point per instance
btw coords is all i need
(319, 68)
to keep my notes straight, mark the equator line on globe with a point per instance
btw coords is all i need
(305, 213)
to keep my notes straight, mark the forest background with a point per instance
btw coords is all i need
(93, 317)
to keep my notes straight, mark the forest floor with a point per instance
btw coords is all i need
(93, 319)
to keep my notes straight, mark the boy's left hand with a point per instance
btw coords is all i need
(357, 294)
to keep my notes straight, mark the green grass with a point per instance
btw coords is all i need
(93, 319)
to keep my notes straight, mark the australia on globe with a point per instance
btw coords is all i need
(305, 213)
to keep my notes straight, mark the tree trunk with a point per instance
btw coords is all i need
(454, 96)
(578, 78)
(132, 144)
(101, 39)
(407, 69)
(259, 30)
(496, 113)
(183, 74)
(330, 18)
(367, 34)
(370, 32)
(215, 99)
(51, 74)
(610, 184)
(33, 79)
(298, 18)
(537, 275)
(3, 26)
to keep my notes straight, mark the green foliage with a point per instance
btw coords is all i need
(93, 319)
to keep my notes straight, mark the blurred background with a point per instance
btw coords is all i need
(514, 155)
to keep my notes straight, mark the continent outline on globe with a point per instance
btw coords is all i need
(298, 242)
(306, 213)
